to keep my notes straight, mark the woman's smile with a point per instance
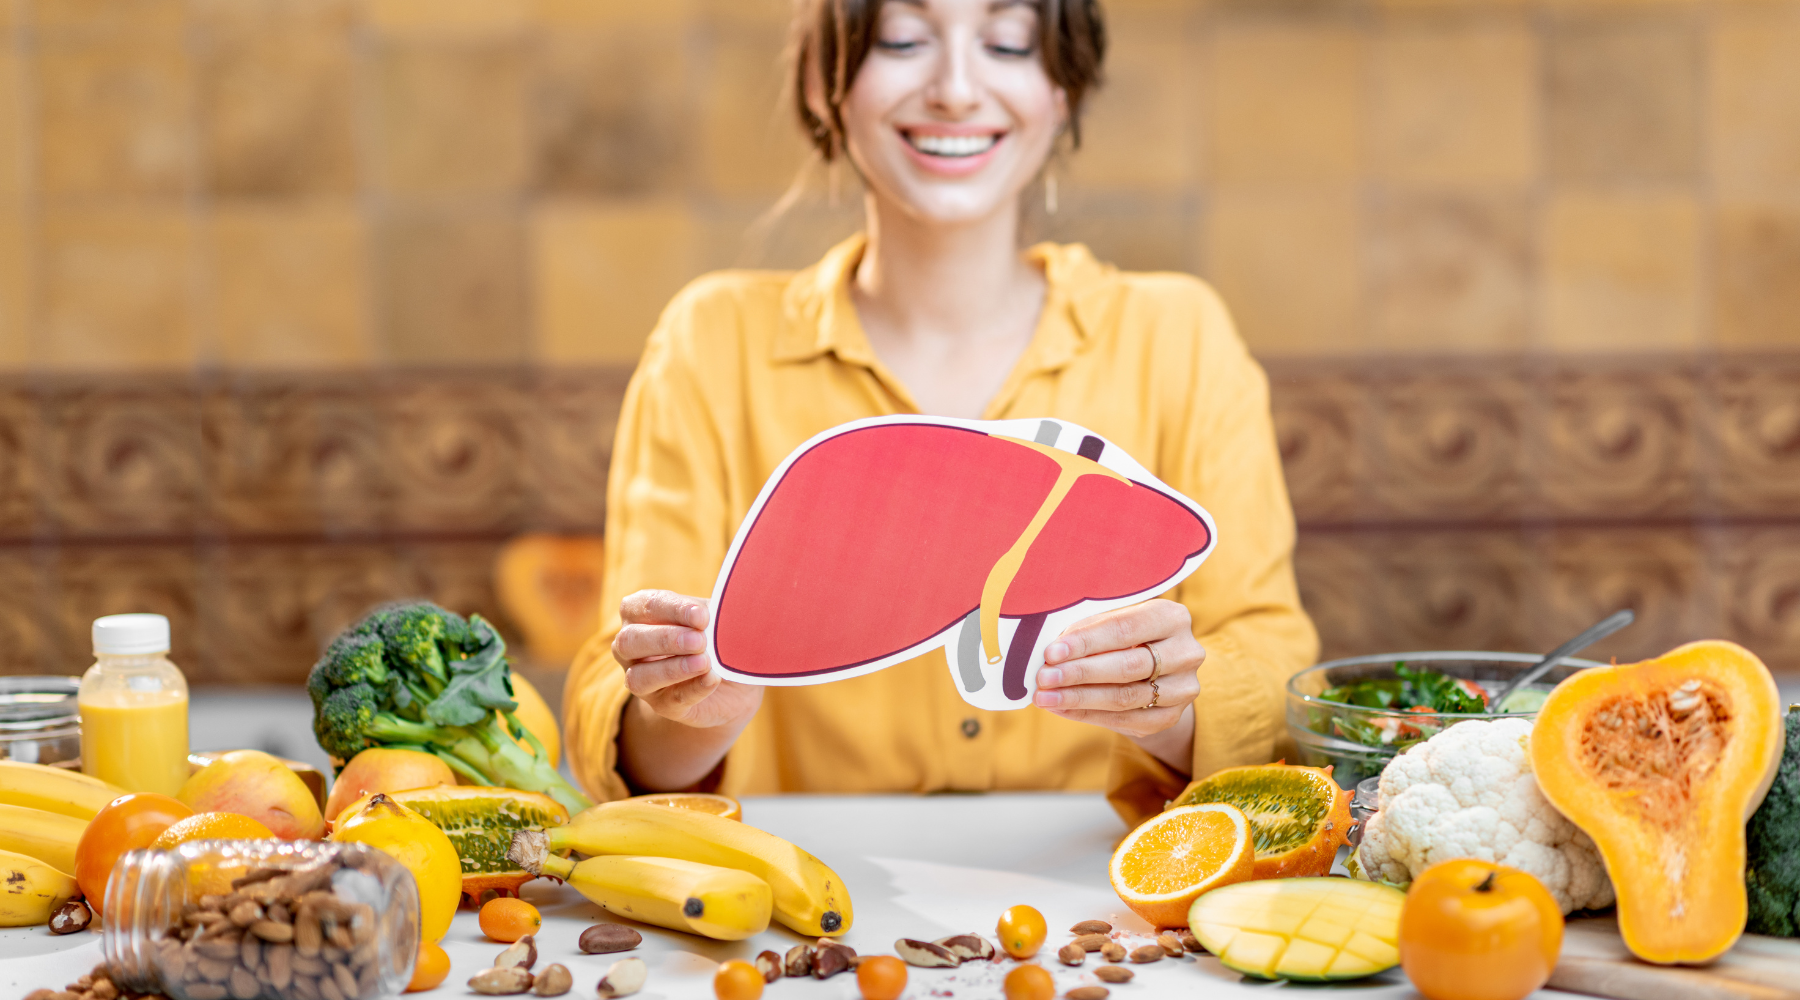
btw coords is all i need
(951, 150)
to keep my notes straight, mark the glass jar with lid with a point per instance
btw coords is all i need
(272, 919)
(134, 707)
(39, 720)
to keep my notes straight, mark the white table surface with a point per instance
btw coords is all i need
(916, 867)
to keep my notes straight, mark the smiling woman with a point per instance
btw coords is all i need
(948, 110)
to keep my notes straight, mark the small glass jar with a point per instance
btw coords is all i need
(269, 919)
(39, 721)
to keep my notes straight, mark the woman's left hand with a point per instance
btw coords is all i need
(1101, 670)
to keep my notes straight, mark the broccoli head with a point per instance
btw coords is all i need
(1772, 847)
(414, 675)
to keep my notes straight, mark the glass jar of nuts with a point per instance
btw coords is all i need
(268, 919)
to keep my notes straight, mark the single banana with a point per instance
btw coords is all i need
(54, 789)
(31, 890)
(721, 903)
(809, 897)
(47, 836)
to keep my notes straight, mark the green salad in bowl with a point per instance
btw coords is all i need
(1356, 714)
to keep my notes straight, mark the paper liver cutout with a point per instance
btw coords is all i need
(883, 539)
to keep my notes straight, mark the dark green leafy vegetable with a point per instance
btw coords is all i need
(1412, 690)
(1772, 847)
(415, 676)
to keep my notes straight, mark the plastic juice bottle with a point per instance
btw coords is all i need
(134, 707)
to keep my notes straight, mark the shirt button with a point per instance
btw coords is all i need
(971, 728)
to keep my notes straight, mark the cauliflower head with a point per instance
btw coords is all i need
(1468, 792)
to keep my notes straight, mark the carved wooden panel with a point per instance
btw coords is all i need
(1441, 504)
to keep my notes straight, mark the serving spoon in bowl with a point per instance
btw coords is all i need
(1592, 634)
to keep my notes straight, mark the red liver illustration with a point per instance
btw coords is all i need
(882, 537)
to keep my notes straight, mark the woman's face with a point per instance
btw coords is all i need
(951, 114)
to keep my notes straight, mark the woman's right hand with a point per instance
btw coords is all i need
(663, 650)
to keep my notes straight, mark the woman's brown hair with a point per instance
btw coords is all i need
(831, 38)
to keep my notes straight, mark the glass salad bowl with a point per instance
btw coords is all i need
(1368, 717)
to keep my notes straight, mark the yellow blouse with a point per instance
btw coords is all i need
(744, 366)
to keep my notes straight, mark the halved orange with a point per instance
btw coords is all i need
(1164, 865)
(719, 805)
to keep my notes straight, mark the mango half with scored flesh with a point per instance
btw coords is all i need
(1308, 929)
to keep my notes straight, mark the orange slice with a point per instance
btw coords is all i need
(1164, 865)
(718, 805)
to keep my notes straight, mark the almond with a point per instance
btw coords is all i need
(1113, 974)
(1113, 951)
(1092, 942)
(1148, 953)
(1091, 927)
(1171, 945)
(1071, 954)
(1088, 993)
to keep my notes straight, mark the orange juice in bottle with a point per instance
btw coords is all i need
(134, 707)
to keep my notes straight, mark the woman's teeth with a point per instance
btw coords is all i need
(953, 145)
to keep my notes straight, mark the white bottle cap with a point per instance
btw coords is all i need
(131, 635)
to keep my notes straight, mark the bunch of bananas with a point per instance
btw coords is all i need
(688, 870)
(43, 812)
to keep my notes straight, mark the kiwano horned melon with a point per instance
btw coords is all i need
(1661, 762)
(1298, 816)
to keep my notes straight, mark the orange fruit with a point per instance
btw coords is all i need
(508, 918)
(212, 826)
(1163, 865)
(737, 980)
(1021, 931)
(718, 805)
(430, 968)
(1029, 982)
(881, 977)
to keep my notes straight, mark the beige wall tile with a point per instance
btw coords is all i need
(610, 13)
(289, 282)
(277, 112)
(264, 15)
(1141, 130)
(1621, 273)
(1754, 95)
(115, 118)
(604, 272)
(140, 18)
(1456, 104)
(1137, 233)
(1286, 103)
(449, 18)
(16, 269)
(1288, 265)
(1623, 100)
(452, 118)
(749, 143)
(15, 139)
(451, 287)
(610, 112)
(117, 287)
(1757, 275)
(1449, 273)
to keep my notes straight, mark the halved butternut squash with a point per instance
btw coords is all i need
(1661, 763)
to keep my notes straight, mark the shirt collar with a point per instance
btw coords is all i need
(818, 316)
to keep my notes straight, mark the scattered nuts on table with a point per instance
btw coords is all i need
(926, 954)
(1091, 927)
(1113, 974)
(70, 917)
(500, 981)
(91, 986)
(1190, 942)
(554, 981)
(968, 947)
(1087, 993)
(623, 978)
(799, 960)
(1113, 951)
(770, 965)
(1091, 942)
(604, 939)
(1171, 945)
(1071, 954)
(521, 954)
(1148, 953)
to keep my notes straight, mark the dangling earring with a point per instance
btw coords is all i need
(1050, 192)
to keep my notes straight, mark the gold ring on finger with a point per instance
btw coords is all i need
(1155, 695)
(1155, 661)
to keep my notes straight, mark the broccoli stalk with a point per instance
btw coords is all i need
(415, 676)
(1772, 874)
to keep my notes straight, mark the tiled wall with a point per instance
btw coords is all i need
(331, 183)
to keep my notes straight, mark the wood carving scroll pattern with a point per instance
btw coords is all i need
(1319, 428)
(1761, 582)
(1758, 432)
(19, 461)
(1448, 448)
(124, 461)
(1618, 445)
(295, 459)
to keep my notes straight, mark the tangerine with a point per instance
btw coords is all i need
(737, 980)
(881, 977)
(1029, 982)
(508, 918)
(1022, 931)
(430, 969)
(1164, 865)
